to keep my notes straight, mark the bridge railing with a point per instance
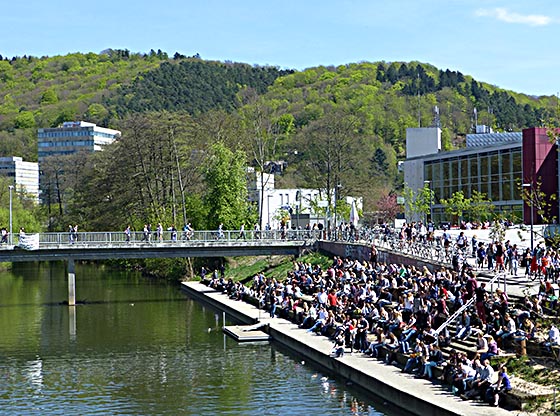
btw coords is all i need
(46, 240)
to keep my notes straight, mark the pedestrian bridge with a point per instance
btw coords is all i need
(116, 245)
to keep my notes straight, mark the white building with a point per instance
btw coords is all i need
(73, 137)
(25, 175)
(299, 201)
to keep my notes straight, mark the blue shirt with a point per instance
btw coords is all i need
(506, 384)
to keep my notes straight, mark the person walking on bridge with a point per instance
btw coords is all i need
(220, 234)
(145, 234)
(242, 232)
(71, 234)
(159, 232)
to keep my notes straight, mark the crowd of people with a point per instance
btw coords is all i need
(382, 309)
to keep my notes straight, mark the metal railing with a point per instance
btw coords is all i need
(459, 311)
(111, 238)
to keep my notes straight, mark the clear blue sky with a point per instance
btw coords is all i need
(513, 44)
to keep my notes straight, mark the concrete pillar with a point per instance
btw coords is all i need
(72, 322)
(71, 283)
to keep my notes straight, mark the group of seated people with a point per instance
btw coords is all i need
(383, 309)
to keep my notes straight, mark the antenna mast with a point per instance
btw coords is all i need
(418, 93)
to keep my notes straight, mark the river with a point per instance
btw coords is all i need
(142, 347)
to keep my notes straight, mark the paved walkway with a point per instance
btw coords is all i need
(392, 376)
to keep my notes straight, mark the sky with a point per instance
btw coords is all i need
(513, 44)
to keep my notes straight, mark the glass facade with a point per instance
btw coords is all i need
(495, 173)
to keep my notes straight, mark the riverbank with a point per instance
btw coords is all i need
(420, 397)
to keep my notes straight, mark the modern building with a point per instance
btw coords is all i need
(70, 138)
(495, 164)
(25, 175)
(73, 137)
(299, 202)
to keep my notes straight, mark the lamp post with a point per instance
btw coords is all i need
(429, 183)
(298, 209)
(530, 186)
(336, 193)
(268, 208)
(11, 187)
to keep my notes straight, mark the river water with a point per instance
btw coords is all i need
(142, 347)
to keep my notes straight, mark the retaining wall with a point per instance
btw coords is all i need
(362, 252)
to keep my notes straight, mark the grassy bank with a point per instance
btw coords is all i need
(244, 268)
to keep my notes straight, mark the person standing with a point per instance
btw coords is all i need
(127, 233)
(149, 233)
(499, 257)
(71, 234)
(241, 232)
(490, 256)
(159, 232)
(480, 299)
(145, 233)
(513, 260)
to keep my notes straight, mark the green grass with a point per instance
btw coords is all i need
(241, 268)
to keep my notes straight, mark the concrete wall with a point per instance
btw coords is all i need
(422, 141)
(216, 304)
(415, 405)
(362, 252)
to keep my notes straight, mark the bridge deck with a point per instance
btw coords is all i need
(110, 245)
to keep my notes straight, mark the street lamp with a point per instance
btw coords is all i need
(11, 187)
(530, 186)
(429, 183)
(298, 208)
(336, 195)
(268, 207)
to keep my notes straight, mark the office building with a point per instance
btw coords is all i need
(300, 203)
(25, 175)
(495, 164)
(73, 137)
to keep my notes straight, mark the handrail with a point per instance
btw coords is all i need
(168, 238)
(465, 306)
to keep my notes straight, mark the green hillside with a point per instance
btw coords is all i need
(337, 128)
(102, 88)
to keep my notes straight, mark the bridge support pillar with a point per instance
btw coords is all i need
(71, 283)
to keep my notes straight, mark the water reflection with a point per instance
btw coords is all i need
(141, 347)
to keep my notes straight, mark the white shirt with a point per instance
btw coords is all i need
(554, 335)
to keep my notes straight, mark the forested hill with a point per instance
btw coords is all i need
(103, 88)
(385, 97)
(191, 85)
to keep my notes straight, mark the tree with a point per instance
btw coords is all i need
(456, 205)
(25, 213)
(540, 201)
(226, 183)
(481, 207)
(49, 97)
(418, 204)
(24, 120)
(330, 150)
(263, 130)
(387, 206)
